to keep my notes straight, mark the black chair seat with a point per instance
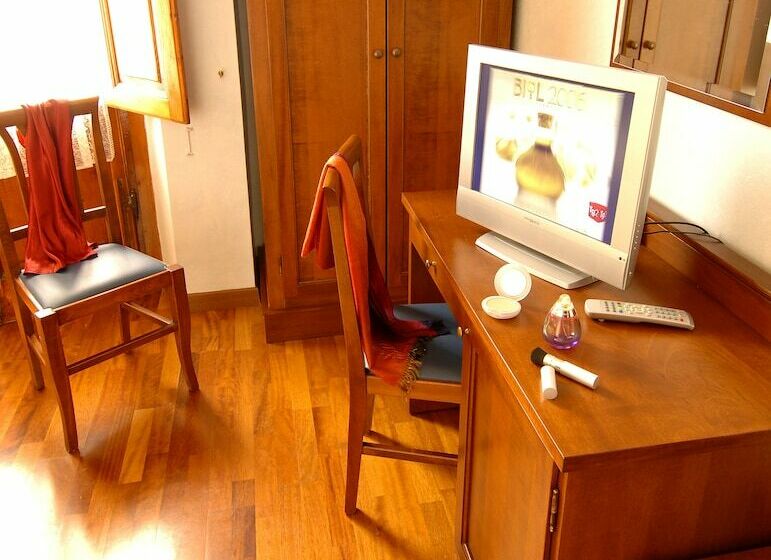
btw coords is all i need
(114, 266)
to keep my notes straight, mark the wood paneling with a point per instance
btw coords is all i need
(508, 473)
(683, 510)
(756, 554)
(304, 322)
(224, 299)
(311, 83)
(252, 466)
(318, 89)
(131, 129)
(426, 85)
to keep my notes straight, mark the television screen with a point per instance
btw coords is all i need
(551, 147)
(556, 161)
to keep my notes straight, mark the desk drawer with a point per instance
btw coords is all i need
(425, 250)
(431, 266)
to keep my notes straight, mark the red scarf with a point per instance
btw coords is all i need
(55, 236)
(393, 348)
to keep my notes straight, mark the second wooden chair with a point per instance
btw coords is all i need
(440, 374)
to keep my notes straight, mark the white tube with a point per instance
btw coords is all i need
(572, 371)
(548, 383)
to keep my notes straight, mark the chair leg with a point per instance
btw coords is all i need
(370, 411)
(181, 312)
(47, 327)
(356, 427)
(125, 323)
(27, 329)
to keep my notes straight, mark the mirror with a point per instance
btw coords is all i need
(714, 51)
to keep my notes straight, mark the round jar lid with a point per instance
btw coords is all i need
(501, 307)
(513, 281)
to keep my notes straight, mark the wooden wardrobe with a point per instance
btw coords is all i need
(392, 72)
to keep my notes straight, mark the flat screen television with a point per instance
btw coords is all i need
(556, 160)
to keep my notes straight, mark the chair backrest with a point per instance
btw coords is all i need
(107, 210)
(351, 151)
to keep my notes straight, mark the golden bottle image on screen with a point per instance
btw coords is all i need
(539, 175)
(550, 148)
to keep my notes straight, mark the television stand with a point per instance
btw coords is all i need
(536, 263)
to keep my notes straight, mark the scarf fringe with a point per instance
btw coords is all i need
(414, 361)
(415, 358)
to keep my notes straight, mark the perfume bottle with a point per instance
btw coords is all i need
(562, 328)
(539, 174)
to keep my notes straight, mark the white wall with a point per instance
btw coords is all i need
(712, 167)
(580, 30)
(202, 199)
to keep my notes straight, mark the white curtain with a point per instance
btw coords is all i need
(82, 144)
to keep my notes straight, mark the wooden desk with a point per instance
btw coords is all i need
(669, 458)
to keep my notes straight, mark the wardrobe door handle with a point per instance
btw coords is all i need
(397, 52)
(378, 53)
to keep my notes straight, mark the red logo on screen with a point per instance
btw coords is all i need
(598, 212)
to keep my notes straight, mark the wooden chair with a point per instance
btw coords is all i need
(117, 276)
(439, 379)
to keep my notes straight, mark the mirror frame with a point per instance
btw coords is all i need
(763, 117)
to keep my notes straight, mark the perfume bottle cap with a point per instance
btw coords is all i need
(545, 120)
(564, 303)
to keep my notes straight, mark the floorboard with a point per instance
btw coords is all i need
(251, 467)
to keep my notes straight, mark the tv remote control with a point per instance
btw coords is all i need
(605, 309)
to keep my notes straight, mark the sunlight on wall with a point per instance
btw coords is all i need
(29, 528)
(51, 49)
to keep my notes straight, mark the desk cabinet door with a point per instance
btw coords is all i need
(505, 475)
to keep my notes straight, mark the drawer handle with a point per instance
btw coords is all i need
(430, 263)
(462, 331)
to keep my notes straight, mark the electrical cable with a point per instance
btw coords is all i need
(702, 233)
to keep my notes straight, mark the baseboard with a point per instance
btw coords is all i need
(224, 299)
(307, 322)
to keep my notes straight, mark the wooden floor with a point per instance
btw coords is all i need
(250, 467)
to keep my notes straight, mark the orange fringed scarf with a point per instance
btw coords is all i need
(393, 348)
(55, 236)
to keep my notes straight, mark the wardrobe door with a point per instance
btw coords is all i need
(313, 66)
(427, 45)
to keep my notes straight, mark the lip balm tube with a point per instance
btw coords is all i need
(548, 383)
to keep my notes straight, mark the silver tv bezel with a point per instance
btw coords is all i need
(614, 262)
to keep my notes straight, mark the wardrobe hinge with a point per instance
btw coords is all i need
(555, 497)
(133, 202)
(131, 199)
